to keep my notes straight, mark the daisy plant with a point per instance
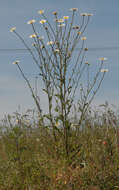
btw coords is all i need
(66, 74)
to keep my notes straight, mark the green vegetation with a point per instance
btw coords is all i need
(31, 159)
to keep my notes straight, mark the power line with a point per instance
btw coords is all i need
(103, 48)
(20, 50)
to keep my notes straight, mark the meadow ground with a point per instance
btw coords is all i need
(30, 159)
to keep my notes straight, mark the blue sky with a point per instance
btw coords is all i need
(102, 31)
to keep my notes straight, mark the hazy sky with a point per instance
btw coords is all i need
(103, 31)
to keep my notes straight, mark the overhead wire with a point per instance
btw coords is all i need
(108, 48)
(24, 50)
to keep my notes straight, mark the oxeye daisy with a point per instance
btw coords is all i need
(90, 14)
(85, 49)
(32, 36)
(60, 20)
(83, 38)
(56, 50)
(75, 27)
(42, 47)
(74, 9)
(57, 124)
(15, 62)
(61, 25)
(79, 33)
(42, 21)
(104, 70)
(54, 13)
(40, 12)
(34, 44)
(31, 21)
(102, 58)
(50, 43)
(84, 14)
(13, 29)
(65, 17)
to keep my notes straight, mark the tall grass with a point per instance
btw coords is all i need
(31, 160)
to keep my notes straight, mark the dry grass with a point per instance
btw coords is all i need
(31, 160)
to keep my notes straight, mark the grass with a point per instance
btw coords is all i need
(31, 160)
